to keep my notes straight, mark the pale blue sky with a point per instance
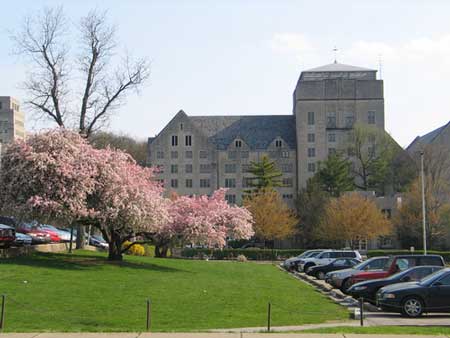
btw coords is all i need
(244, 57)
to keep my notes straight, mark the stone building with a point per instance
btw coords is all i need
(12, 121)
(438, 137)
(198, 154)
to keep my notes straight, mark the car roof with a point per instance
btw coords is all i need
(414, 256)
(4, 226)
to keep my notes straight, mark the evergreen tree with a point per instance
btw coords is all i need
(267, 175)
(334, 175)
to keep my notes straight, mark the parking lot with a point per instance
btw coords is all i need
(372, 315)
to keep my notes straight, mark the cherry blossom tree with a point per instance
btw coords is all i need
(48, 177)
(203, 220)
(127, 201)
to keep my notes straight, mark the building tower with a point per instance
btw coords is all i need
(328, 101)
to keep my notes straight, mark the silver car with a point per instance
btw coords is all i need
(291, 263)
(341, 279)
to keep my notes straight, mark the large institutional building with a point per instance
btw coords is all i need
(198, 154)
(12, 121)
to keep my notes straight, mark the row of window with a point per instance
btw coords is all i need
(229, 182)
(312, 137)
(349, 119)
(230, 168)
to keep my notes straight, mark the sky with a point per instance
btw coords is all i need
(211, 57)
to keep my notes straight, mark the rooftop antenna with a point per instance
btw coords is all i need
(380, 68)
(335, 50)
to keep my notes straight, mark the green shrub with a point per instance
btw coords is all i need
(373, 253)
(251, 254)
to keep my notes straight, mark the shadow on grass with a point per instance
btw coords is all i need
(81, 262)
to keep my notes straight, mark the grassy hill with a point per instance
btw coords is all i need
(84, 292)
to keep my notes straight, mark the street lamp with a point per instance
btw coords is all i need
(424, 219)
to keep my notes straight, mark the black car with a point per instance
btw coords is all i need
(368, 289)
(319, 271)
(430, 294)
(7, 236)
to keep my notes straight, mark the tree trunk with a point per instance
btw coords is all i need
(80, 237)
(115, 251)
(161, 251)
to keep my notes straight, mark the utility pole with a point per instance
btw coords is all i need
(424, 219)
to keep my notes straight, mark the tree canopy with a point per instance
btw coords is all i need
(334, 175)
(266, 174)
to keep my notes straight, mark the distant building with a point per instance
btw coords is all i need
(198, 154)
(12, 121)
(439, 137)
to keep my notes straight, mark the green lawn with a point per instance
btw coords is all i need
(84, 292)
(403, 330)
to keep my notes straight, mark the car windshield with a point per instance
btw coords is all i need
(431, 278)
(362, 265)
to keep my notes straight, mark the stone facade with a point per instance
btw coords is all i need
(199, 154)
(12, 121)
(328, 101)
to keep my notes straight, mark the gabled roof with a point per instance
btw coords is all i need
(338, 67)
(257, 132)
(428, 138)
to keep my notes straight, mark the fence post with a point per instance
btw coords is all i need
(269, 308)
(361, 311)
(2, 314)
(149, 309)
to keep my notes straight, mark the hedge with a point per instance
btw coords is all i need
(281, 254)
(373, 253)
(253, 254)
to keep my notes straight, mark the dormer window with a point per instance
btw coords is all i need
(238, 144)
(278, 143)
(181, 126)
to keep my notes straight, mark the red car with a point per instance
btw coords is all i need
(7, 236)
(398, 263)
(39, 236)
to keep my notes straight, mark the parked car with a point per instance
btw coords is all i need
(291, 263)
(319, 271)
(399, 263)
(7, 236)
(431, 294)
(63, 234)
(326, 257)
(368, 289)
(22, 239)
(98, 241)
(38, 235)
(341, 279)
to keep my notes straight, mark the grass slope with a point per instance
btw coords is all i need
(84, 292)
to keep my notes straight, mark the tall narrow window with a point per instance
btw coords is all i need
(371, 117)
(331, 137)
(174, 140)
(188, 140)
(174, 183)
(311, 152)
(238, 143)
(278, 143)
(331, 120)
(311, 118)
(311, 138)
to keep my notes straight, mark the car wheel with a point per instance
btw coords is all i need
(346, 283)
(320, 275)
(412, 307)
(307, 266)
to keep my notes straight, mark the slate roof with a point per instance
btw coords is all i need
(256, 131)
(338, 67)
(428, 138)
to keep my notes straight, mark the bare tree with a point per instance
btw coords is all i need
(78, 91)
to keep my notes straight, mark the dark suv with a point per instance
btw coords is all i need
(7, 236)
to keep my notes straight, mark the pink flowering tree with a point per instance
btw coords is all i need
(127, 201)
(203, 220)
(48, 177)
(58, 176)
